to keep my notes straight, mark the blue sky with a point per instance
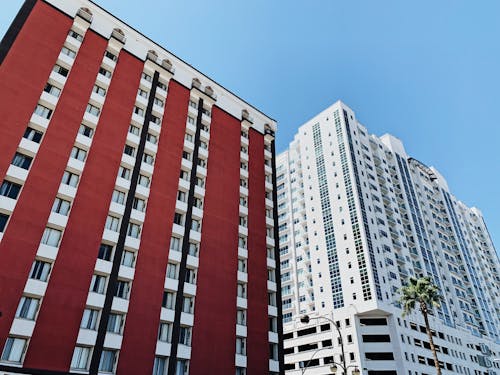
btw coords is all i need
(427, 71)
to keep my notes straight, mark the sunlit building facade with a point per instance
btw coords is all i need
(357, 217)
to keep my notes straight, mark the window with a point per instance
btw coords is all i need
(160, 365)
(182, 367)
(60, 70)
(98, 284)
(242, 265)
(139, 204)
(273, 351)
(148, 159)
(134, 130)
(68, 52)
(134, 230)
(129, 150)
(40, 270)
(115, 323)
(188, 304)
(80, 358)
(86, 131)
(241, 371)
(105, 252)
(14, 349)
(193, 249)
(110, 56)
(51, 237)
(195, 225)
(93, 110)
(165, 332)
(142, 93)
(144, 180)
(10, 189)
(168, 300)
(75, 35)
(61, 206)
(146, 77)
(181, 196)
(89, 319)
(22, 161)
(112, 223)
(118, 197)
(241, 346)
(124, 173)
(152, 138)
(122, 289)
(162, 86)
(139, 111)
(175, 243)
(159, 102)
(191, 120)
(241, 291)
(104, 72)
(193, 104)
(78, 154)
(128, 258)
(33, 135)
(172, 271)
(185, 336)
(27, 308)
(70, 179)
(99, 90)
(241, 317)
(178, 218)
(52, 90)
(107, 361)
(190, 276)
(155, 120)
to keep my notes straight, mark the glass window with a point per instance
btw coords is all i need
(33, 135)
(89, 319)
(27, 308)
(128, 258)
(70, 179)
(115, 323)
(165, 332)
(160, 366)
(61, 206)
(105, 252)
(13, 350)
(10, 189)
(40, 270)
(107, 361)
(51, 237)
(118, 197)
(98, 284)
(86, 131)
(60, 70)
(22, 161)
(80, 358)
(68, 52)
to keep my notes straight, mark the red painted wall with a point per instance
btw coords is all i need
(258, 321)
(66, 296)
(143, 318)
(23, 234)
(214, 334)
(20, 91)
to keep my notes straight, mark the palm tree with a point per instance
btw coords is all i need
(422, 292)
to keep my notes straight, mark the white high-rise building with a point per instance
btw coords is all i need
(357, 217)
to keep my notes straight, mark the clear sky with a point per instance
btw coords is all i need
(425, 71)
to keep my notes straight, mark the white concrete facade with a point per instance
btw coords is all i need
(358, 216)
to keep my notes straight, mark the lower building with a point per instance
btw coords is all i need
(357, 217)
(137, 207)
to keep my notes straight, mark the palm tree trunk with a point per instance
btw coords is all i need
(423, 309)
